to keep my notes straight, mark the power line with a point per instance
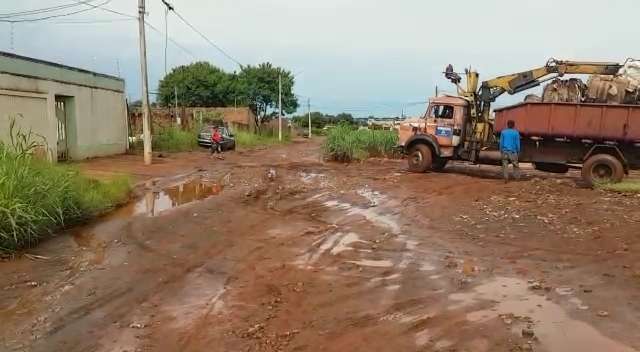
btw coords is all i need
(171, 40)
(53, 16)
(42, 10)
(99, 6)
(206, 38)
(113, 20)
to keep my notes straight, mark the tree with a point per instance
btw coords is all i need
(257, 86)
(320, 120)
(199, 84)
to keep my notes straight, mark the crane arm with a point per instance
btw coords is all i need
(517, 82)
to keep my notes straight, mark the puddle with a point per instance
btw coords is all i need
(423, 337)
(309, 177)
(427, 267)
(390, 277)
(373, 216)
(201, 295)
(345, 242)
(552, 325)
(372, 263)
(374, 197)
(155, 202)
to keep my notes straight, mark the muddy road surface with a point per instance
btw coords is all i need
(275, 250)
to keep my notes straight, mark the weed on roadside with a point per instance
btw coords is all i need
(174, 139)
(345, 143)
(247, 139)
(38, 197)
(626, 186)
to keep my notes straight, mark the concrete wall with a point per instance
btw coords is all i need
(95, 103)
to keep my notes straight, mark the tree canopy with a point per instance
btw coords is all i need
(320, 120)
(201, 84)
(258, 87)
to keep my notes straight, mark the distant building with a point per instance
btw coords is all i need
(383, 123)
(240, 118)
(80, 114)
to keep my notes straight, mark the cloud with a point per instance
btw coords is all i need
(370, 54)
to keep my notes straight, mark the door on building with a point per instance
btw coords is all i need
(61, 117)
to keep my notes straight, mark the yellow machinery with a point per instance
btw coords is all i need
(479, 127)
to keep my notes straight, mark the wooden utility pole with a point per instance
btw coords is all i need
(146, 111)
(280, 107)
(309, 111)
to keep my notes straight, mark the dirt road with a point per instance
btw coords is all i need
(275, 250)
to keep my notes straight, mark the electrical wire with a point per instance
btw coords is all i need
(108, 9)
(53, 16)
(113, 20)
(171, 40)
(206, 38)
(43, 10)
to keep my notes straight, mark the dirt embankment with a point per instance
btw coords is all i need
(274, 250)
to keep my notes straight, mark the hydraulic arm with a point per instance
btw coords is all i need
(518, 82)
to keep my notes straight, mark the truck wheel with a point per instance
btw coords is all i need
(438, 164)
(602, 168)
(419, 158)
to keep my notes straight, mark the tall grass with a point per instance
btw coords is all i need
(247, 139)
(175, 139)
(37, 198)
(626, 186)
(346, 143)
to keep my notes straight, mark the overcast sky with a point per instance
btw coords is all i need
(360, 56)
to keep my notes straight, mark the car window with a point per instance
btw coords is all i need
(441, 111)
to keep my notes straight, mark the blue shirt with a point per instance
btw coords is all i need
(510, 140)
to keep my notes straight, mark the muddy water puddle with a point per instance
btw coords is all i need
(155, 202)
(553, 326)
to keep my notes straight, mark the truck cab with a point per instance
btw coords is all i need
(432, 140)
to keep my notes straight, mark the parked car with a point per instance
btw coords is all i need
(228, 140)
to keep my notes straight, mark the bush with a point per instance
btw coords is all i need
(37, 198)
(248, 139)
(174, 139)
(626, 186)
(346, 143)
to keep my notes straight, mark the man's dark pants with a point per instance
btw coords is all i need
(509, 157)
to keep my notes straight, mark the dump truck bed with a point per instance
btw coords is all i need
(597, 122)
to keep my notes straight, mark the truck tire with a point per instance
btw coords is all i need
(439, 164)
(420, 158)
(602, 168)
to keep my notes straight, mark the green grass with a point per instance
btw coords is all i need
(626, 186)
(345, 143)
(38, 198)
(174, 139)
(247, 139)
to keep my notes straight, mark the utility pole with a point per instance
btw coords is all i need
(11, 41)
(146, 112)
(280, 107)
(309, 111)
(168, 7)
(175, 102)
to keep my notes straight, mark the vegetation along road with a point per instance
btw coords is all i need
(274, 249)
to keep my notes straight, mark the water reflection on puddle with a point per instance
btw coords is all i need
(554, 328)
(156, 201)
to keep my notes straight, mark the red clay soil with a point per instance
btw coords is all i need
(276, 250)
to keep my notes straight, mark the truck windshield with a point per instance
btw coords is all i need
(441, 112)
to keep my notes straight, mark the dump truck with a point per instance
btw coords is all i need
(601, 139)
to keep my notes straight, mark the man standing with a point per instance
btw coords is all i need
(510, 149)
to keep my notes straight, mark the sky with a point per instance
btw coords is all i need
(365, 57)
